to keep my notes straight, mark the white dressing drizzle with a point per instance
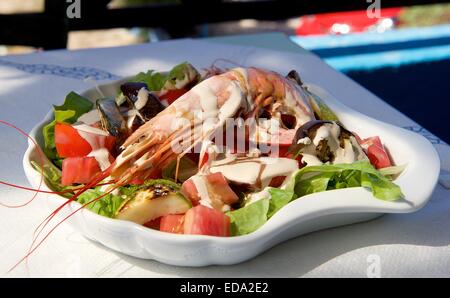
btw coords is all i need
(233, 103)
(202, 189)
(102, 157)
(142, 98)
(249, 171)
(90, 129)
(99, 152)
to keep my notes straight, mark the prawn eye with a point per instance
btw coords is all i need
(288, 121)
(265, 114)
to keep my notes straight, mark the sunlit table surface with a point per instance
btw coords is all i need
(402, 244)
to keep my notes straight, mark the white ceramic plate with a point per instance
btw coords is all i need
(307, 214)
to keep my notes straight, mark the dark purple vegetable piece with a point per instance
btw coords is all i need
(110, 116)
(322, 150)
(131, 89)
(308, 129)
(152, 107)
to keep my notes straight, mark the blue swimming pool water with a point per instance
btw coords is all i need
(408, 68)
(420, 90)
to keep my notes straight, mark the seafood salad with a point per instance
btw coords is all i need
(214, 152)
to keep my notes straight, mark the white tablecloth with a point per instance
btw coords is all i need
(398, 244)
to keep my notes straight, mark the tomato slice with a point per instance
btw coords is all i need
(172, 223)
(375, 151)
(283, 142)
(110, 143)
(378, 157)
(217, 187)
(69, 143)
(190, 191)
(202, 220)
(172, 95)
(79, 170)
(277, 181)
(366, 143)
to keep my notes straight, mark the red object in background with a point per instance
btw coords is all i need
(343, 22)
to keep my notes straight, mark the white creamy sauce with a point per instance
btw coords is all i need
(323, 132)
(304, 141)
(99, 152)
(346, 154)
(207, 90)
(233, 103)
(131, 116)
(130, 119)
(255, 197)
(277, 167)
(89, 134)
(330, 132)
(242, 172)
(202, 189)
(90, 129)
(249, 171)
(102, 157)
(311, 160)
(90, 117)
(208, 99)
(142, 98)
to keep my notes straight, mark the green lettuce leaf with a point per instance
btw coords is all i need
(74, 106)
(249, 218)
(76, 103)
(321, 108)
(314, 179)
(182, 72)
(278, 199)
(107, 206)
(154, 80)
(157, 81)
(52, 177)
(252, 216)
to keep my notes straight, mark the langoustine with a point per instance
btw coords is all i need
(239, 92)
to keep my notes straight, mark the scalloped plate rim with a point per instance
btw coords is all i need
(308, 208)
